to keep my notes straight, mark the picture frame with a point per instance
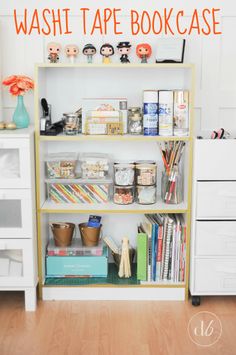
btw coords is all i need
(170, 50)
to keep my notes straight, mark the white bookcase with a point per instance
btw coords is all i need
(213, 239)
(18, 242)
(64, 86)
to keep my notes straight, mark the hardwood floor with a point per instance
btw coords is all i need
(110, 328)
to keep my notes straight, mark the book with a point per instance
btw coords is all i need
(167, 248)
(147, 227)
(159, 252)
(154, 244)
(142, 252)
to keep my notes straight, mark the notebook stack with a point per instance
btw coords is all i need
(161, 249)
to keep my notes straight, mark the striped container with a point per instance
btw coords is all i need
(79, 193)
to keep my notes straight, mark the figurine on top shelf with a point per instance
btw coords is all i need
(124, 48)
(72, 50)
(107, 50)
(53, 52)
(89, 50)
(144, 51)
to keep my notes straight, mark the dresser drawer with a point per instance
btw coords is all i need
(16, 213)
(215, 276)
(17, 263)
(213, 159)
(215, 238)
(216, 200)
(15, 163)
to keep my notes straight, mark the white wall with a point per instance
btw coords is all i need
(214, 57)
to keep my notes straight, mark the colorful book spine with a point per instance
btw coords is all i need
(142, 251)
(159, 253)
(154, 250)
(167, 249)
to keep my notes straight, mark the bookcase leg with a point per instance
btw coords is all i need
(196, 301)
(30, 299)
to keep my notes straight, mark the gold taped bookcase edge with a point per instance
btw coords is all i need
(117, 65)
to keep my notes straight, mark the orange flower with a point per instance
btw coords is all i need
(10, 80)
(15, 90)
(19, 84)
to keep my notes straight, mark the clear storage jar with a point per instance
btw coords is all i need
(146, 172)
(71, 124)
(146, 195)
(172, 187)
(124, 173)
(123, 195)
(135, 120)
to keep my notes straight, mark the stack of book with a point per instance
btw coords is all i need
(161, 248)
(76, 260)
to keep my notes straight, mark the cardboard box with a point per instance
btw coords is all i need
(91, 266)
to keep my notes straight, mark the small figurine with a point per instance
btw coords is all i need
(72, 50)
(53, 51)
(144, 51)
(124, 48)
(89, 50)
(107, 51)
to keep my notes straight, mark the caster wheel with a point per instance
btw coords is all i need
(196, 301)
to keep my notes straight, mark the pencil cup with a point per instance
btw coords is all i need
(172, 187)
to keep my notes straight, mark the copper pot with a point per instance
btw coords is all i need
(89, 235)
(63, 233)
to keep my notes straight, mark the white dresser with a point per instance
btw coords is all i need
(213, 236)
(18, 246)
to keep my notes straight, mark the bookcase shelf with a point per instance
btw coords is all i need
(123, 138)
(59, 84)
(117, 66)
(110, 207)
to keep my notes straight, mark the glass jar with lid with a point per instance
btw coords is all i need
(123, 195)
(146, 195)
(135, 120)
(124, 173)
(146, 171)
(71, 126)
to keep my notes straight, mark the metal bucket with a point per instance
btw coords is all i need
(89, 235)
(63, 233)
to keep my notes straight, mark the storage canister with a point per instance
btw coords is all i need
(71, 126)
(166, 114)
(124, 173)
(135, 120)
(146, 195)
(146, 172)
(123, 195)
(150, 113)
